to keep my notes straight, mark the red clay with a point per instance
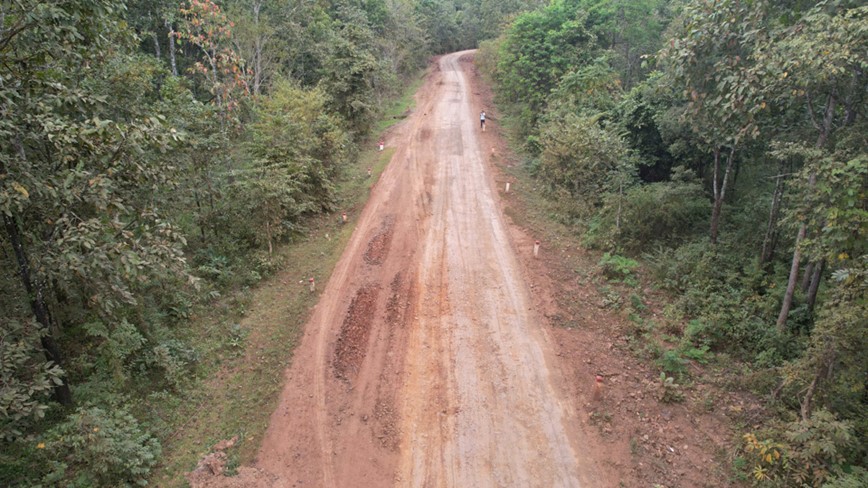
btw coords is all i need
(429, 361)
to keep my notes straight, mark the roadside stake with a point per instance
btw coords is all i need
(536, 249)
(598, 388)
(507, 187)
(312, 285)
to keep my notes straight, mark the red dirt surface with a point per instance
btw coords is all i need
(433, 358)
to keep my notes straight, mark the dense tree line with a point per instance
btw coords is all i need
(725, 143)
(152, 155)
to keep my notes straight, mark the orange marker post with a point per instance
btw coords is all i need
(597, 395)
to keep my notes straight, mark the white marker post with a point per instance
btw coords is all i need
(312, 285)
(536, 249)
(370, 171)
(382, 144)
(344, 218)
(507, 187)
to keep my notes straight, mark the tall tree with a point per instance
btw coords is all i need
(710, 60)
(820, 60)
(76, 165)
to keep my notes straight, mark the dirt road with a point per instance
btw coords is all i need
(424, 363)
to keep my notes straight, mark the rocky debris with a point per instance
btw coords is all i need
(352, 344)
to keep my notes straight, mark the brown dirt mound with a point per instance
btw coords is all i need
(353, 340)
(210, 472)
(395, 305)
(378, 247)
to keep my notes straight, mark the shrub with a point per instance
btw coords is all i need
(175, 358)
(671, 362)
(857, 478)
(657, 213)
(26, 378)
(811, 453)
(94, 447)
(619, 268)
(670, 391)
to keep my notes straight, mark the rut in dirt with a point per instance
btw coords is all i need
(423, 363)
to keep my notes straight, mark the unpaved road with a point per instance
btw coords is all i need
(424, 363)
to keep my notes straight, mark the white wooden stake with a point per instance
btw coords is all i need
(312, 285)
(536, 249)
(344, 217)
(507, 187)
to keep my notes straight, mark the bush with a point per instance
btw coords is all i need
(94, 447)
(857, 478)
(714, 290)
(176, 359)
(619, 268)
(666, 213)
(26, 378)
(812, 452)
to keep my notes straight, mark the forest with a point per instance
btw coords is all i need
(153, 154)
(722, 145)
(156, 154)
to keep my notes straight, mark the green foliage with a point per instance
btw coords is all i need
(299, 150)
(837, 344)
(352, 74)
(538, 49)
(176, 359)
(650, 215)
(669, 390)
(809, 453)
(582, 159)
(836, 203)
(26, 378)
(758, 105)
(855, 478)
(672, 363)
(618, 268)
(115, 346)
(640, 112)
(95, 447)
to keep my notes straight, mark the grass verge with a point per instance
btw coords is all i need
(246, 339)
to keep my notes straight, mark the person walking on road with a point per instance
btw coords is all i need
(482, 120)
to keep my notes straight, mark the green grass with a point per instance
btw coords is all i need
(397, 109)
(246, 339)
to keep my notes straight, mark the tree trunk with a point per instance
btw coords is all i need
(791, 283)
(200, 219)
(771, 237)
(172, 60)
(806, 277)
(825, 130)
(257, 50)
(157, 52)
(816, 277)
(38, 306)
(824, 371)
(620, 199)
(719, 187)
